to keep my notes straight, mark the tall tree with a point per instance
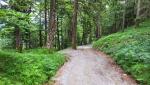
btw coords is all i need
(18, 39)
(45, 7)
(52, 25)
(138, 12)
(97, 16)
(98, 27)
(74, 25)
(40, 29)
(124, 14)
(23, 6)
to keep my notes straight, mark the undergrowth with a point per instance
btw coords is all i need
(131, 50)
(33, 67)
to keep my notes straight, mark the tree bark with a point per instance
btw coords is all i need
(58, 35)
(45, 6)
(52, 25)
(40, 38)
(29, 37)
(74, 25)
(18, 39)
(62, 38)
(138, 13)
(40, 31)
(84, 42)
(98, 27)
(124, 16)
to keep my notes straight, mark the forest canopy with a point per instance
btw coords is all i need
(34, 17)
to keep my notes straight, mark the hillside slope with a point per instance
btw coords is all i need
(131, 50)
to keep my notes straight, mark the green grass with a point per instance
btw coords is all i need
(131, 50)
(33, 67)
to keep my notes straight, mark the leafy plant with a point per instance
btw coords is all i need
(28, 68)
(131, 50)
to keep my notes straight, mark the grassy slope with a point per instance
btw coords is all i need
(33, 67)
(131, 50)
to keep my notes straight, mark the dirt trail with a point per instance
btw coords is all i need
(89, 67)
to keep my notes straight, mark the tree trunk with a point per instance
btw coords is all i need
(29, 37)
(40, 38)
(84, 36)
(74, 25)
(148, 10)
(58, 36)
(40, 32)
(18, 39)
(124, 16)
(62, 37)
(45, 6)
(52, 25)
(98, 27)
(138, 13)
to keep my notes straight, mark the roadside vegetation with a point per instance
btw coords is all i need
(131, 50)
(33, 67)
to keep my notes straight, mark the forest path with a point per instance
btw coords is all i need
(90, 67)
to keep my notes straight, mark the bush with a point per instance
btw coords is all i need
(28, 68)
(131, 50)
(5, 43)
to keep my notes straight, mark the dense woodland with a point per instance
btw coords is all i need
(42, 27)
(62, 23)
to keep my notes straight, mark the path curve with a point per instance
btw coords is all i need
(90, 67)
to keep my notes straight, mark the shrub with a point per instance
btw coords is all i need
(131, 50)
(28, 68)
(5, 43)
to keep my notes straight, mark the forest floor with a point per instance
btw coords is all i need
(90, 67)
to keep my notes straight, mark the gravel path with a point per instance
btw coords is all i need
(89, 67)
